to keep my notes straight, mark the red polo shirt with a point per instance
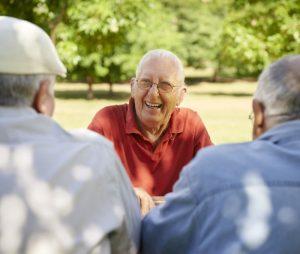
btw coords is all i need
(154, 169)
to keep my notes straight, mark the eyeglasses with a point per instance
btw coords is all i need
(162, 87)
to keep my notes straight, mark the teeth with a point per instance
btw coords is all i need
(153, 105)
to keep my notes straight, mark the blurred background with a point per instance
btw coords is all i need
(224, 45)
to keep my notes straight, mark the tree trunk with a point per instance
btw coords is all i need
(216, 72)
(53, 34)
(90, 93)
(215, 75)
(111, 88)
(56, 21)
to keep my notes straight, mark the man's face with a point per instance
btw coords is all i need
(154, 109)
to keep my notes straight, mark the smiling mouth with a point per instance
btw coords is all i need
(153, 105)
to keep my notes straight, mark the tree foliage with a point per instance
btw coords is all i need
(105, 39)
(92, 40)
(102, 40)
(258, 32)
(200, 24)
(45, 13)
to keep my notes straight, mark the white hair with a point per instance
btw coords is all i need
(19, 90)
(279, 87)
(162, 53)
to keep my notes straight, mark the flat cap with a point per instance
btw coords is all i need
(26, 49)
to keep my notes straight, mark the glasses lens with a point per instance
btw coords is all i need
(144, 84)
(165, 87)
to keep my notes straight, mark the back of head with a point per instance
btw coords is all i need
(163, 54)
(279, 88)
(27, 55)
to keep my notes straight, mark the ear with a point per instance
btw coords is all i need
(259, 123)
(181, 95)
(44, 100)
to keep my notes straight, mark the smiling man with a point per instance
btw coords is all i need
(152, 135)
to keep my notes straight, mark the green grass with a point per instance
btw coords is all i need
(224, 108)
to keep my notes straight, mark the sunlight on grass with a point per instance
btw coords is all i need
(224, 108)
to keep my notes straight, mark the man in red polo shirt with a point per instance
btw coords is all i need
(152, 135)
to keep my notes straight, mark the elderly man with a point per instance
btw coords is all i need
(60, 192)
(153, 137)
(241, 198)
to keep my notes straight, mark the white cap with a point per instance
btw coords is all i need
(27, 49)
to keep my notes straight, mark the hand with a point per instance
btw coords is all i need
(158, 200)
(146, 202)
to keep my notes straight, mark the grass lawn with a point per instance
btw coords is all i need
(224, 108)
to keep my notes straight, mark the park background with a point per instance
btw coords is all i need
(224, 45)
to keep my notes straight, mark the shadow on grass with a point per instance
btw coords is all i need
(190, 81)
(98, 94)
(234, 94)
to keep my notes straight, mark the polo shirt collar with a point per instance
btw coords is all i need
(131, 124)
(8, 111)
(283, 132)
(176, 124)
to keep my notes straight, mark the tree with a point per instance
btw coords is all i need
(93, 40)
(102, 41)
(46, 14)
(157, 30)
(258, 32)
(200, 24)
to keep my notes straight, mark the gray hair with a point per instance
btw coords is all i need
(19, 90)
(162, 53)
(279, 87)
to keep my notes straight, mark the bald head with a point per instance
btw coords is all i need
(165, 55)
(279, 87)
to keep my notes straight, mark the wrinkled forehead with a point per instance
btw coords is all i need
(161, 68)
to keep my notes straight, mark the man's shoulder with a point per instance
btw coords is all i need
(216, 167)
(188, 116)
(225, 149)
(89, 137)
(214, 157)
(107, 118)
(93, 150)
(188, 120)
(112, 110)
(187, 112)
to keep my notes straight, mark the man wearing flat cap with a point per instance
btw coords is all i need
(60, 192)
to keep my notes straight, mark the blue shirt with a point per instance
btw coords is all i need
(236, 198)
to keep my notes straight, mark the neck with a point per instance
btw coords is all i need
(153, 133)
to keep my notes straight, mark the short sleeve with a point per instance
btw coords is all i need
(202, 138)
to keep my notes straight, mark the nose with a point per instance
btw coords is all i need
(153, 89)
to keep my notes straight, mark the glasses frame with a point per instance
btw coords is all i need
(157, 85)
